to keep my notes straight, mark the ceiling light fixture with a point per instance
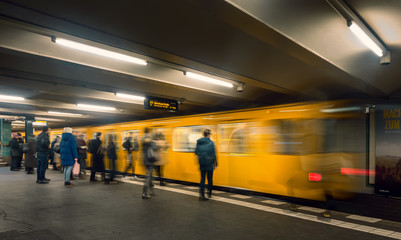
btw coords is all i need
(123, 95)
(65, 114)
(95, 107)
(8, 97)
(208, 79)
(98, 51)
(361, 30)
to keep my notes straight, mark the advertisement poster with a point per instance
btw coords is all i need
(388, 150)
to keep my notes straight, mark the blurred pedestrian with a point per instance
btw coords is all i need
(95, 147)
(52, 154)
(149, 149)
(112, 155)
(162, 156)
(206, 153)
(30, 159)
(68, 153)
(42, 152)
(82, 155)
(131, 145)
(56, 154)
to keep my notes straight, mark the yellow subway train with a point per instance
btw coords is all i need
(304, 150)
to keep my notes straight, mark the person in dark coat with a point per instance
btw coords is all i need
(14, 152)
(148, 161)
(112, 155)
(206, 153)
(68, 153)
(30, 160)
(42, 152)
(82, 149)
(97, 157)
(21, 143)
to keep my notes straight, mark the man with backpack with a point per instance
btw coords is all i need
(206, 153)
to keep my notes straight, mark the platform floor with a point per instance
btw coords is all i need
(117, 211)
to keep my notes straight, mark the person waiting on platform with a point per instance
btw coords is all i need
(42, 152)
(162, 155)
(21, 143)
(149, 149)
(82, 148)
(112, 155)
(30, 160)
(130, 145)
(206, 153)
(14, 151)
(68, 153)
(95, 147)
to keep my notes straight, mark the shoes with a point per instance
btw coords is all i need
(144, 196)
(202, 198)
(42, 182)
(163, 184)
(30, 172)
(47, 179)
(327, 214)
(68, 183)
(93, 180)
(15, 169)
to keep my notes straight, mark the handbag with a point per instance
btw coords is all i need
(76, 169)
(151, 155)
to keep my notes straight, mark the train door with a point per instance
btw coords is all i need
(237, 148)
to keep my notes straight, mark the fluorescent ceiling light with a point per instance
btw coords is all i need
(130, 96)
(95, 107)
(208, 79)
(50, 119)
(99, 51)
(8, 97)
(39, 123)
(66, 114)
(357, 30)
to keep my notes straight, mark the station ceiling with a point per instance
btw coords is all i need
(281, 51)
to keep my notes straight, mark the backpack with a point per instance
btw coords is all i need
(90, 146)
(126, 145)
(56, 148)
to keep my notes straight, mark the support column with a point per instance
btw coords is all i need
(5, 137)
(28, 129)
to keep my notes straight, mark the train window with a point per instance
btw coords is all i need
(232, 137)
(132, 135)
(184, 138)
(343, 135)
(286, 137)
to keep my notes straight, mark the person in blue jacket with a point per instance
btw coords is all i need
(68, 153)
(206, 153)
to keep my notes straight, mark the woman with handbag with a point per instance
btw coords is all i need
(68, 153)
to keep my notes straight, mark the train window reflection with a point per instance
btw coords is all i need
(344, 135)
(232, 138)
(287, 138)
(184, 138)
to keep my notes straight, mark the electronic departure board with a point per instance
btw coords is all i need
(156, 103)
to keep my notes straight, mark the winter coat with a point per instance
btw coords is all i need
(206, 154)
(162, 152)
(82, 149)
(111, 151)
(42, 143)
(146, 144)
(68, 149)
(30, 160)
(14, 147)
(97, 155)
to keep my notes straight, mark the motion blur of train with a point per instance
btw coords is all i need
(307, 150)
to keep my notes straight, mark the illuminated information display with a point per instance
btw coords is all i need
(156, 103)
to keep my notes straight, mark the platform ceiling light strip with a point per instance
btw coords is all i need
(95, 107)
(123, 95)
(98, 51)
(361, 30)
(208, 79)
(357, 30)
(14, 98)
(65, 114)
